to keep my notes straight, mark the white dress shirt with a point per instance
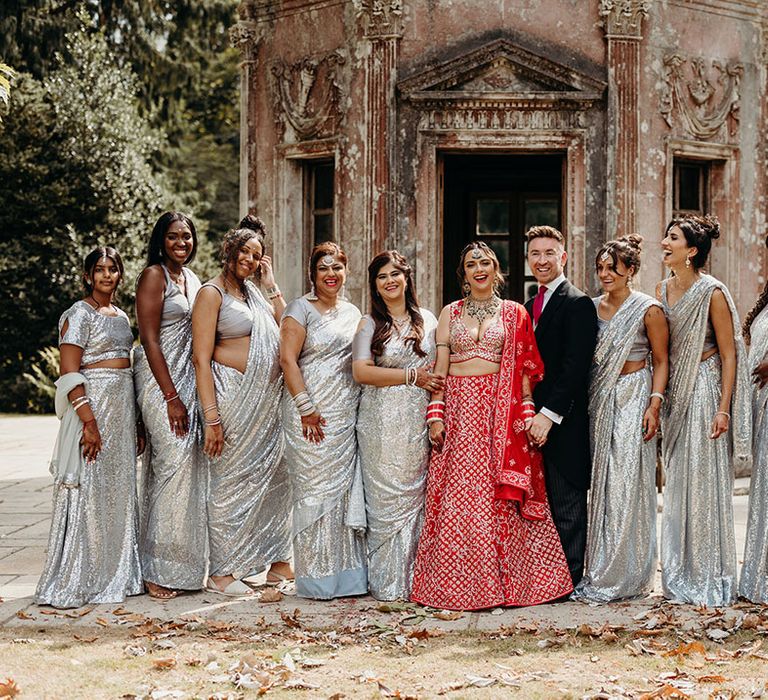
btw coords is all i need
(551, 287)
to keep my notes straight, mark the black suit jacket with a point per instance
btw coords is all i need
(566, 335)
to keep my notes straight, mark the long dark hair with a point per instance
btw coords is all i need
(380, 313)
(104, 251)
(156, 245)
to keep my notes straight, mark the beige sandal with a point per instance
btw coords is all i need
(236, 589)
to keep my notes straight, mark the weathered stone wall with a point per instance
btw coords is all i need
(387, 86)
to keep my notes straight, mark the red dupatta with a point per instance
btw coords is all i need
(520, 470)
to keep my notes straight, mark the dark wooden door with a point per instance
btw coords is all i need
(495, 199)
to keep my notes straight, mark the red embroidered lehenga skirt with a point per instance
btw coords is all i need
(477, 551)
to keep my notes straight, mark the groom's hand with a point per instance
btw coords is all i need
(539, 429)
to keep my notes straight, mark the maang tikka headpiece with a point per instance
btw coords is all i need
(327, 260)
(476, 254)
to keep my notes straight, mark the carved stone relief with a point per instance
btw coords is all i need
(244, 37)
(380, 18)
(486, 118)
(624, 18)
(701, 97)
(308, 96)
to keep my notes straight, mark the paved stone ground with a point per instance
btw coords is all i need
(25, 498)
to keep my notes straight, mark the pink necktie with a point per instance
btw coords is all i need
(538, 305)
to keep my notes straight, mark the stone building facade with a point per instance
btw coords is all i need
(423, 124)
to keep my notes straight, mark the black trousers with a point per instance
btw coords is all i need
(569, 511)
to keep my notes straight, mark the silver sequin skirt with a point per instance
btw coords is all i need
(173, 541)
(621, 545)
(93, 554)
(698, 549)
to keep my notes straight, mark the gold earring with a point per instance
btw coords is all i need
(687, 262)
(465, 288)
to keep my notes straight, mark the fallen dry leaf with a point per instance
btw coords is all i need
(291, 620)
(102, 621)
(271, 595)
(163, 664)
(751, 621)
(85, 640)
(666, 691)
(22, 615)
(712, 679)
(685, 649)
(9, 689)
(448, 614)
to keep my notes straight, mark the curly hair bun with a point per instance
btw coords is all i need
(633, 240)
(253, 223)
(711, 226)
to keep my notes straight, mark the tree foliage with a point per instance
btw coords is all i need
(122, 109)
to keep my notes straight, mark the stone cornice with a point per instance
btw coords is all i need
(479, 100)
(623, 19)
(739, 9)
(267, 10)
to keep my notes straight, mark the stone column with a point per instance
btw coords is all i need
(243, 36)
(622, 21)
(381, 22)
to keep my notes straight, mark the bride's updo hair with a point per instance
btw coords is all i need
(699, 232)
(626, 249)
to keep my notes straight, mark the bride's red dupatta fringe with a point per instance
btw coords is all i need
(519, 465)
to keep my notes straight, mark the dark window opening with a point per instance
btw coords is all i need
(320, 201)
(691, 187)
(496, 199)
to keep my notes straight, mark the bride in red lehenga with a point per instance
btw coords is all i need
(488, 537)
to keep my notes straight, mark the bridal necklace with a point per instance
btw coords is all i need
(481, 309)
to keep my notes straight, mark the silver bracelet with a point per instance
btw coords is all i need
(723, 413)
(304, 404)
(80, 401)
(657, 395)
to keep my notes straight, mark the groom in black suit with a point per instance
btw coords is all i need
(565, 323)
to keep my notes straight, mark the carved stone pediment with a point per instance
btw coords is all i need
(501, 72)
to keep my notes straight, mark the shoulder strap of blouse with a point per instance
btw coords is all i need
(456, 307)
(215, 286)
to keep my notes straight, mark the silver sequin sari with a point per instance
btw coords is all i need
(249, 494)
(93, 555)
(621, 535)
(698, 551)
(394, 455)
(754, 576)
(173, 542)
(328, 503)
